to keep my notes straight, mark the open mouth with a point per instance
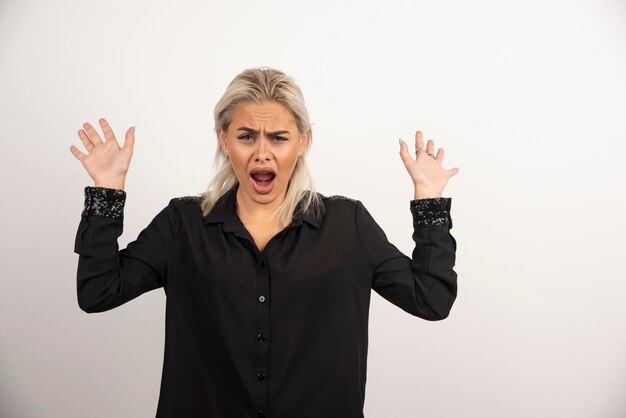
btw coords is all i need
(263, 178)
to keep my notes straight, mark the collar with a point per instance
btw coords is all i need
(224, 212)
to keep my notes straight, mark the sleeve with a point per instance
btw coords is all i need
(426, 284)
(106, 277)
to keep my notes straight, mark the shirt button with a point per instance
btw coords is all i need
(260, 337)
(261, 376)
(261, 299)
(261, 413)
(263, 264)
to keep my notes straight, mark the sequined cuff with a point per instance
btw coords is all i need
(431, 212)
(105, 202)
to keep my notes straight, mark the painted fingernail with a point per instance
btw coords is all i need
(400, 141)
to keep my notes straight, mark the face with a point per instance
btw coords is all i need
(263, 144)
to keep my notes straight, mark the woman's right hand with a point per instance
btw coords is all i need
(105, 162)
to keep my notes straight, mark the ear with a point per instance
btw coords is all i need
(221, 137)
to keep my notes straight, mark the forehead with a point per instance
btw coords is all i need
(271, 114)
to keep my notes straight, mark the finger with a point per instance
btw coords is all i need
(92, 134)
(76, 152)
(129, 141)
(439, 156)
(430, 146)
(453, 171)
(405, 155)
(419, 140)
(108, 132)
(85, 140)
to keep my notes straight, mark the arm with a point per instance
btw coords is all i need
(426, 284)
(106, 277)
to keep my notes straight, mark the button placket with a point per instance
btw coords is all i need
(261, 350)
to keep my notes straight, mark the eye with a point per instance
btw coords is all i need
(280, 138)
(243, 136)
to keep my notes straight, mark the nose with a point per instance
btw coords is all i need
(262, 152)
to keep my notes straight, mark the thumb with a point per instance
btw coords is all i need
(129, 141)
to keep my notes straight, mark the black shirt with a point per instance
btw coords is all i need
(279, 333)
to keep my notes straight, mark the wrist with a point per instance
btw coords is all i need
(119, 185)
(421, 193)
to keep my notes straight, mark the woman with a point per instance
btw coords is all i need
(268, 282)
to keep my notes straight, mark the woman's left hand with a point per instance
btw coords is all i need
(427, 173)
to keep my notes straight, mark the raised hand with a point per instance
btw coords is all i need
(426, 171)
(106, 162)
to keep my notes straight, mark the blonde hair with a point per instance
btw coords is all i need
(259, 85)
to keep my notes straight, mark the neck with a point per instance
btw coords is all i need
(252, 211)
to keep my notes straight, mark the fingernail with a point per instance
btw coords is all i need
(400, 141)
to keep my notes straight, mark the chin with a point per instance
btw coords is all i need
(262, 195)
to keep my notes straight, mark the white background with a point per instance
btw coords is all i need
(527, 98)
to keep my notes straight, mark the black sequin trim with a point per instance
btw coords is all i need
(103, 201)
(432, 211)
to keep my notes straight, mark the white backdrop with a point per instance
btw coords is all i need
(527, 98)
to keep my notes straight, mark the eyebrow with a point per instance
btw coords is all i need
(253, 131)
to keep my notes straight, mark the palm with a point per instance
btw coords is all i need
(426, 172)
(106, 161)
